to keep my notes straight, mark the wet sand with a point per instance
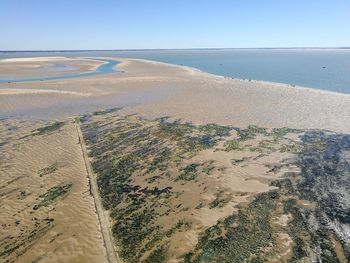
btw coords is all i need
(157, 89)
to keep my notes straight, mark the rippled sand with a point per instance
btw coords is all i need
(65, 231)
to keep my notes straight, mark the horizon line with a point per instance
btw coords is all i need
(162, 49)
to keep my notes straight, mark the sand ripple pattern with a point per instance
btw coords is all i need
(64, 231)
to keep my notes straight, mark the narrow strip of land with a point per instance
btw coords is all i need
(103, 217)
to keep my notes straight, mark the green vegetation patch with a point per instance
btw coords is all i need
(238, 238)
(279, 133)
(48, 170)
(158, 255)
(250, 133)
(52, 195)
(49, 128)
(219, 201)
(176, 128)
(233, 145)
(189, 173)
(215, 130)
(103, 112)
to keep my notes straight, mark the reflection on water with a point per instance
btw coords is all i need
(46, 106)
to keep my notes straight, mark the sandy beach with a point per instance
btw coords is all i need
(69, 229)
(157, 89)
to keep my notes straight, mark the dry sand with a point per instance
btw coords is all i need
(74, 234)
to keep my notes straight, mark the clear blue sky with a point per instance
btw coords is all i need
(138, 24)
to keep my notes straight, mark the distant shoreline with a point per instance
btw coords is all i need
(170, 49)
(320, 68)
(271, 84)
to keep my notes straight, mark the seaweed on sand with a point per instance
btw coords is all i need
(238, 238)
(250, 132)
(233, 145)
(48, 129)
(141, 172)
(189, 173)
(52, 195)
(48, 170)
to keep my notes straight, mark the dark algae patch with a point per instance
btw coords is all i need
(317, 202)
(155, 191)
(48, 129)
(52, 195)
(188, 173)
(141, 169)
(48, 170)
(238, 238)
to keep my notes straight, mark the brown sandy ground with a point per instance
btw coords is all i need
(47, 213)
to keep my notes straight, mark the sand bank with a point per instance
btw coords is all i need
(35, 59)
(38, 91)
(21, 68)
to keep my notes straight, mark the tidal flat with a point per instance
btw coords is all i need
(178, 192)
(162, 163)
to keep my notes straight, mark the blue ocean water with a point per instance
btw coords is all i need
(325, 69)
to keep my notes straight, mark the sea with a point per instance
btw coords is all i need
(323, 69)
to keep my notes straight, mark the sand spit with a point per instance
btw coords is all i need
(36, 223)
(38, 91)
(35, 59)
(15, 68)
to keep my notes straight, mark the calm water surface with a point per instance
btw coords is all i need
(327, 69)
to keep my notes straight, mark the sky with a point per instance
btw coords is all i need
(158, 24)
